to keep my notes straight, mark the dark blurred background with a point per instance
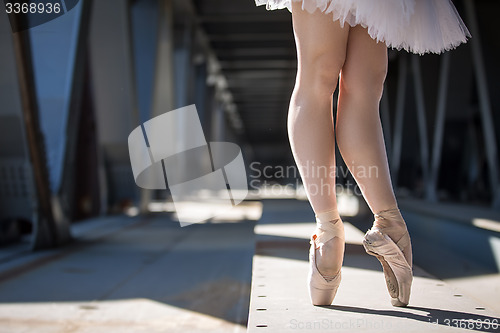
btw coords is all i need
(73, 89)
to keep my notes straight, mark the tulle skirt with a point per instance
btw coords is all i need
(417, 26)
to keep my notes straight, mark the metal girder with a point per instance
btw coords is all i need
(484, 102)
(47, 232)
(437, 145)
(114, 92)
(421, 117)
(163, 92)
(68, 184)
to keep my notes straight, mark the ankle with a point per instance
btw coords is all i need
(391, 222)
(331, 216)
(389, 217)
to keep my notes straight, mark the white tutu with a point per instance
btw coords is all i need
(418, 26)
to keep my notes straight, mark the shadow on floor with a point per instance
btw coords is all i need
(205, 268)
(434, 316)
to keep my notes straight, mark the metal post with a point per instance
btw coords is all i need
(163, 99)
(68, 184)
(114, 96)
(484, 102)
(45, 233)
(218, 123)
(437, 145)
(163, 87)
(421, 118)
(183, 62)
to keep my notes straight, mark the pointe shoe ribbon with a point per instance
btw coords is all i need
(328, 226)
(322, 289)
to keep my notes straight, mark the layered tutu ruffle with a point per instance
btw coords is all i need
(417, 26)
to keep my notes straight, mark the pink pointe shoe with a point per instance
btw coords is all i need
(322, 289)
(397, 268)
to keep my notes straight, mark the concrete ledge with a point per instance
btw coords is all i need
(19, 259)
(143, 275)
(280, 302)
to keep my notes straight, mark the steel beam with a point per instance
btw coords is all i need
(163, 94)
(163, 86)
(114, 97)
(45, 231)
(484, 102)
(437, 146)
(421, 118)
(67, 192)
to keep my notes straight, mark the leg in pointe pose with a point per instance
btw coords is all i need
(325, 50)
(349, 38)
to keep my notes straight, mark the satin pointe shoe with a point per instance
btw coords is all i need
(397, 268)
(322, 288)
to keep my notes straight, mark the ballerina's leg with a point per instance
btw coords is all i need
(321, 48)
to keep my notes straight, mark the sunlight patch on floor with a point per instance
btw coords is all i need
(128, 315)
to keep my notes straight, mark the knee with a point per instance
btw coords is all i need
(364, 83)
(319, 74)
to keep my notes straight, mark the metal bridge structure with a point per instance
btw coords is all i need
(74, 88)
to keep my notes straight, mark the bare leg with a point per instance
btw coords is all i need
(321, 48)
(359, 131)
